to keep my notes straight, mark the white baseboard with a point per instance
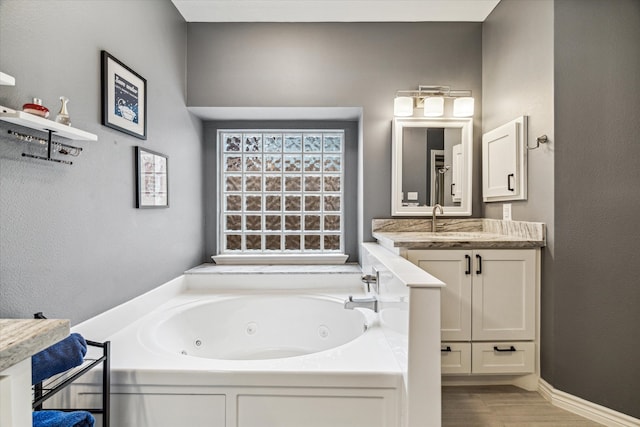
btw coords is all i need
(584, 408)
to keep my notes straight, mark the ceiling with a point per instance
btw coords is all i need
(335, 10)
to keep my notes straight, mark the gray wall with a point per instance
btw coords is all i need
(597, 205)
(517, 79)
(211, 173)
(415, 163)
(573, 66)
(73, 244)
(337, 65)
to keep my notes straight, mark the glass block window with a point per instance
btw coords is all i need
(281, 191)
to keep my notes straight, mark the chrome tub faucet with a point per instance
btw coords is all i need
(370, 303)
(372, 281)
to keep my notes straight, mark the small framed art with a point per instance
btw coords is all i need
(152, 176)
(124, 98)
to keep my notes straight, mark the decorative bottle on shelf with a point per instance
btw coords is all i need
(63, 115)
(36, 108)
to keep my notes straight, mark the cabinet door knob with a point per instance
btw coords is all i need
(468, 270)
(479, 270)
(510, 349)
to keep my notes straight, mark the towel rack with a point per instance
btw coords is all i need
(45, 390)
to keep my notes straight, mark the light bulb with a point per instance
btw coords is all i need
(463, 107)
(434, 106)
(403, 106)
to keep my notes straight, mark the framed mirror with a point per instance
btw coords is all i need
(431, 164)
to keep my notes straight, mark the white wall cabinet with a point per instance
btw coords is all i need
(504, 162)
(489, 301)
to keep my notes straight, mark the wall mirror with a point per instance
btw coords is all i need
(431, 164)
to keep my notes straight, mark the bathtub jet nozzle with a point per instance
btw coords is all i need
(370, 303)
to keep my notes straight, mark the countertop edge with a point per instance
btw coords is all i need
(507, 242)
(22, 338)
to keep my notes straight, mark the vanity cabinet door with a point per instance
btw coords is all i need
(489, 294)
(504, 292)
(454, 268)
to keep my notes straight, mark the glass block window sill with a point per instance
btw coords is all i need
(293, 259)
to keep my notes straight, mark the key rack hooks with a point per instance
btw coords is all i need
(52, 147)
(49, 127)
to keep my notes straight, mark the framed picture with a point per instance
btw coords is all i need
(124, 98)
(152, 176)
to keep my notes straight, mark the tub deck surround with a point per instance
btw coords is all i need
(22, 338)
(413, 331)
(344, 278)
(366, 381)
(209, 268)
(477, 233)
(361, 377)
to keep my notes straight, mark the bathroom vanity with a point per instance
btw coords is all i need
(490, 305)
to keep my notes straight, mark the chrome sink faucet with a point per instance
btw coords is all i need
(434, 219)
(371, 303)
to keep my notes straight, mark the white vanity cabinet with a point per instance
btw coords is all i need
(488, 308)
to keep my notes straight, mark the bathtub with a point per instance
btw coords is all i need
(254, 326)
(255, 347)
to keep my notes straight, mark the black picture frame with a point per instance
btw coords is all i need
(152, 179)
(124, 97)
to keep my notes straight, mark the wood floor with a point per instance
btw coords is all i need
(503, 406)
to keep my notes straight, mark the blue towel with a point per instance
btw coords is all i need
(63, 419)
(58, 358)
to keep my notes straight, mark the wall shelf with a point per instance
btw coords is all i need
(7, 80)
(44, 125)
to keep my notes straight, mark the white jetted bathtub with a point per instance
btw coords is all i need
(254, 326)
(259, 347)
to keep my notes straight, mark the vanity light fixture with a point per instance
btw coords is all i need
(403, 106)
(431, 99)
(433, 106)
(463, 107)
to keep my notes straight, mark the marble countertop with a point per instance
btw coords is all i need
(459, 233)
(22, 338)
(452, 240)
(209, 268)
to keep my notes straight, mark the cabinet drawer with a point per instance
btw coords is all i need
(455, 357)
(503, 357)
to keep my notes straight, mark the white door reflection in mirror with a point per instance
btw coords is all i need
(431, 164)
